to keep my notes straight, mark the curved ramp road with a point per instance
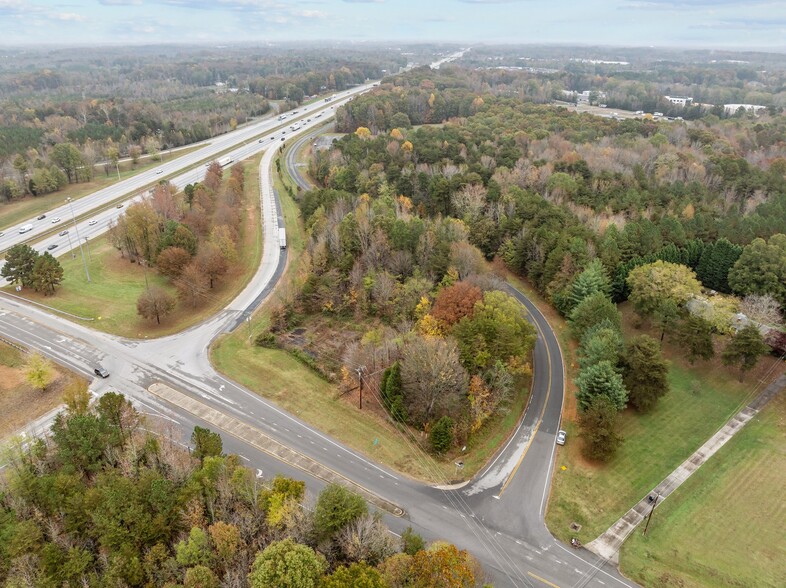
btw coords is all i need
(498, 516)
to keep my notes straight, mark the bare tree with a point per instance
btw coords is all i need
(366, 539)
(155, 303)
(763, 309)
(435, 383)
(192, 284)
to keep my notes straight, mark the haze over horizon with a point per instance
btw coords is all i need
(757, 24)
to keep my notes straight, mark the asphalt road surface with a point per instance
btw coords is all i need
(498, 515)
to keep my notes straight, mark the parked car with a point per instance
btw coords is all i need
(561, 435)
(52, 246)
(101, 372)
(63, 233)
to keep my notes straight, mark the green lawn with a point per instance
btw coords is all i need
(110, 297)
(595, 495)
(724, 526)
(17, 211)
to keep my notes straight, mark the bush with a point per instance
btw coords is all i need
(441, 436)
(266, 339)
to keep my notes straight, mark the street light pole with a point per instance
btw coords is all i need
(78, 239)
(89, 255)
(70, 247)
(654, 503)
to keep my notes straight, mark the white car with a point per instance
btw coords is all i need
(56, 220)
(159, 171)
(92, 222)
(561, 435)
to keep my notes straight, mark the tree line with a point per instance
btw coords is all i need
(111, 499)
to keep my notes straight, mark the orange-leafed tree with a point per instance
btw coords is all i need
(455, 302)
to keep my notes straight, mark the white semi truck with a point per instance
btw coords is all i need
(282, 237)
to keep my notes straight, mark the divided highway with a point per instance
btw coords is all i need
(498, 515)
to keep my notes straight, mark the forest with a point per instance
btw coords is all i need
(63, 113)
(687, 221)
(111, 499)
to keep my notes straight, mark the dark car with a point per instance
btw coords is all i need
(63, 233)
(101, 372)
(52, 246)
(42, 217)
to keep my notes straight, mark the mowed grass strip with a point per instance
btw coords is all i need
(725, 525)
(115, 284)
(20, 210)
(595, 495)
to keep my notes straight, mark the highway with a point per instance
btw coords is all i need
(100, 206)
(498, 515)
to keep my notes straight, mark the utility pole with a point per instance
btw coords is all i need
(360, 379)
(78, 240)
(654, 502)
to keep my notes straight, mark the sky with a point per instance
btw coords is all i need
(733, 24)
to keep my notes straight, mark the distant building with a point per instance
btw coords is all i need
(583, 97)
(733, 108)
(680, 100)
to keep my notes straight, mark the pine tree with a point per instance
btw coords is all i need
(644, 372)
(600, 379)
(694, 335)
(593, 279)
(47, 273)
(598, 425)
(744, 349)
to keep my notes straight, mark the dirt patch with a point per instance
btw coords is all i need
(20, 403)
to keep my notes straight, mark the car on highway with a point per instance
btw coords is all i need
(63, 233)
(92, 222)
(159, 171)
(120, 205)
(259, 141)
(282, 138)
(1, 233)
(42, 217)
(56, 220)
(52, 246)
(101, 372)
(561, 435)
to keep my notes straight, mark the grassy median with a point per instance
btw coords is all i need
(109, 299)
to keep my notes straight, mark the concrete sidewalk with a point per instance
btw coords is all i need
(608, 544)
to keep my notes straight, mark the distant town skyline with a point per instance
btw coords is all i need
(753, 24)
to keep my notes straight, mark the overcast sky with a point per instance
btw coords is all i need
(694, 23)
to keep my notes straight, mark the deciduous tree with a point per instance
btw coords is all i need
(497, 330)
(358, 575)
(172, 261)
(336, 507)
(212, 262)
(39, 371)
(47, 273)
(455, 302)
(445, 565)
(155, 303)
(653, 283)
(761, 269)
(286, 564)
(434, 381)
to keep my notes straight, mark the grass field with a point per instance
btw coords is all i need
(724, 526)
(701, 399)
(19, 402)
(110, 298)
(17, 211)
